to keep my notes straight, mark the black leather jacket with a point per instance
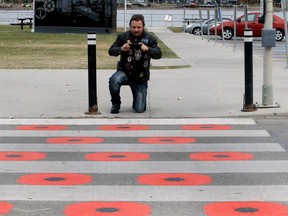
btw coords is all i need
(135, 64)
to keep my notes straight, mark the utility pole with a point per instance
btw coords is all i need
(268, 41)
(267, 88)
(284, 8)
(125, 15)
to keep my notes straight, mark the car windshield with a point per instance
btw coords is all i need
(211, 21)
(250, 18)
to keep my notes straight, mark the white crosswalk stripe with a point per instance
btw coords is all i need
(203, 147)
(147, 193)
(107, 121)
(234, 133)
(147, 167)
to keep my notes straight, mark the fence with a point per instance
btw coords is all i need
(8, 17)
(153, 18)
(156, 18)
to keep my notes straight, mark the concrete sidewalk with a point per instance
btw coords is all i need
(212, 87)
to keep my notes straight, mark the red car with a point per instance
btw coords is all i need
(191, 3)
(252, 22)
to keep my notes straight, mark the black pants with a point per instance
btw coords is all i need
(139, 90)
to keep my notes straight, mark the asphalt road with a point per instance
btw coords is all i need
(276, 127)
(171, 167)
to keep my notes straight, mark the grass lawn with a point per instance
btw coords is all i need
(21, 49)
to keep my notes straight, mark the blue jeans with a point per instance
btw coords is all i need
(139, 90)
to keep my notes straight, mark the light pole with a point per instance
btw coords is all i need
(125, 14)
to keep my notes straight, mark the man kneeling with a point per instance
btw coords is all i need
(136, 48)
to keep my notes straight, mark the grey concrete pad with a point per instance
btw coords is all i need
(165, 62)
(212, 87)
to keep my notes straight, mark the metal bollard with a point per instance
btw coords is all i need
(248, 105)
(92, 76)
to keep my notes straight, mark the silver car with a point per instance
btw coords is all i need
(195, 27)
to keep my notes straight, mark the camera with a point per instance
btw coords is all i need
(135, 46)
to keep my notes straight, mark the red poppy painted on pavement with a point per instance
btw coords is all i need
(5, 208)
(55, 179)
(41, 127)
(123, 127)
(221, 156)
(245, 209)
(117, 156)
(74, 140)
(206, 127)
(21, 156)
(107, 208)
(174, 179)
(167, 140)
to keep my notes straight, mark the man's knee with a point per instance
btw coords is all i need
(118, 77)
(113, 80)
(139, 109)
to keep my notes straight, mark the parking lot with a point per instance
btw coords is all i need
(279, 52)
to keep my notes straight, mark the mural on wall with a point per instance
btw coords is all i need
(74, 13)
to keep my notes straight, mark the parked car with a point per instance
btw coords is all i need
(191, 3)
(252, 22)
(195, 28)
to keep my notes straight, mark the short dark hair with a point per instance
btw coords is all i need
(137, 17)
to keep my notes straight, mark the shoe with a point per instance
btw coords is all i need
(115, 108)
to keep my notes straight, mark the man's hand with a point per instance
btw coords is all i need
(125, 47)
(144, 48)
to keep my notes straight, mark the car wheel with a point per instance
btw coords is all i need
(197, 31)
(279, 34)
(228, 33)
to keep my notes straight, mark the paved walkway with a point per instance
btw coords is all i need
(212, 87)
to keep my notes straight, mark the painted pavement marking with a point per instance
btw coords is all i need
(145, 193)
(150, 133)
(146, 167)
(103, 121)
(133, 147)
(57, 173)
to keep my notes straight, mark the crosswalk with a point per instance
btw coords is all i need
(140, 167)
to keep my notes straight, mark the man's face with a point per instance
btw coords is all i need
(136, 28)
